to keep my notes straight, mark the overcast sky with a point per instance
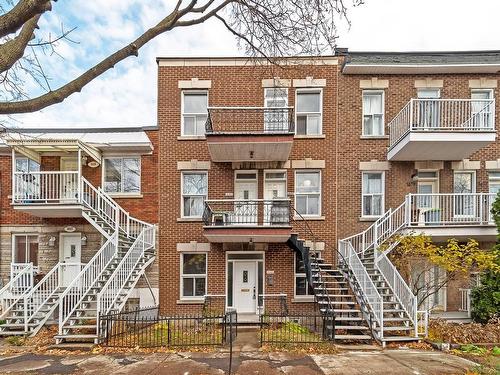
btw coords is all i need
(126, 95)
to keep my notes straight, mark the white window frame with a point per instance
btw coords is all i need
(193, 276)
(199, 195)
(310, 89)
(296, 274)
(368, 92)
(491, 93)
(14, 235)
(266, 99)
(183, 92)
(493, 179)
(382, 209)
(121, 192)
(298, 171)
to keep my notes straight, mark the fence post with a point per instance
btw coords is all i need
(168, 333)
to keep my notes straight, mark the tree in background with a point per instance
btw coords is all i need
(416, 257)
(485, 298)
(264, 28)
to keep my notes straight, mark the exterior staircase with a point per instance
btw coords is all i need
(101, 286)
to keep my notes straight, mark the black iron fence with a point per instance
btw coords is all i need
(232, 212)
(146, 328)
(306, 328)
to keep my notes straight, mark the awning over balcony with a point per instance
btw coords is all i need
(33, 148)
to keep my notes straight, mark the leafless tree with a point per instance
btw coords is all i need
(264, 28)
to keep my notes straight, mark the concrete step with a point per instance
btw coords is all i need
(353, 337)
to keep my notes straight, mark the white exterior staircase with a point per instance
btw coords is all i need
(102, 286)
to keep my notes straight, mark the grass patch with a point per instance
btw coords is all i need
(287, 333)
(16, 340)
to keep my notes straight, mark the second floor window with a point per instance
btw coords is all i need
(194, 193)
(494, 182)
(373, 194)
(482, 108)
(373, 113)
(276, 120)
(194, 112)
(122, 175)
(308, 193)
(308, 113)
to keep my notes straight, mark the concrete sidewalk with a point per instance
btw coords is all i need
(397, 362)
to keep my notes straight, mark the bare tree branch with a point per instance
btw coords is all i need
(22, 12)
(12, 50)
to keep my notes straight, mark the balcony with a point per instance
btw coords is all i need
(454, 215)
(258, 220)
(47, 194)
(249, 134)
(441, 129)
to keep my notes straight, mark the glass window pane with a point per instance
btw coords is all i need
(33, 166)
(195, 102)
(20, 249)
(462, 183)
(372, 183)
(193, 206)
(194, 183)
(299, 264)
(301, 204)
(308, 102)
(313, 205)
(301, 125)
(276, 92)
(368, 125)
(194, 264)
(367, 205)
(112, 175)
(131, 175)
(300, 286)
(199, 286)
(188, 286)
(190, 125)
(22, 165)
(313, 122)
(33, 250)
(307, 182)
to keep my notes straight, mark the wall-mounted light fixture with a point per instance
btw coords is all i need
(84, 240)
(52, 241)
(413, 180)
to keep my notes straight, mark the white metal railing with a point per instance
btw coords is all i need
(458, 115)
(45, 187)
(84, 281)
(403, 293)
(450, 209)
(465, 302)
(10, 294)
(117, 283)
(25, 281)
(370, 293)
(47, 289)
(422, 323)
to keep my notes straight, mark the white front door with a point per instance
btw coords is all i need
(464, 186)
(428, 113)
(69, 182)
(245, 213)
(71, 254)
(275, 188)
(245, 287)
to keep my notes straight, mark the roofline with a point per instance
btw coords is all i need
(122, 129)
(240, 58)
(345, 51)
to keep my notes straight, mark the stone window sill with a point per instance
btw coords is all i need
(309, 218)
(191, 138)
(189, 219)
(309, 136)
(190, 302)
(369, 218)
(374, 137)
(301, 299)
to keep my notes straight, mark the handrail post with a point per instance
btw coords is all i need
(408, 209)
(410, 125)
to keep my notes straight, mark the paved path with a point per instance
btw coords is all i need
(387, 362)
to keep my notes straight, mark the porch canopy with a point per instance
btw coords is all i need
(33, 148)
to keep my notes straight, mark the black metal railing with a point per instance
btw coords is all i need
(250, 120)
(146, 328)
(231, 212)
(302, 328)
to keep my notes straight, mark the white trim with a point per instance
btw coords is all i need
(310, 89)
(123, 156)
(199, 275)
(245, 61)
(372, 92)
(298, 171)
(382, 209)
(205, 172)
(194, 114)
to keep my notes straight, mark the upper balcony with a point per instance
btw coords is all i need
(250, 134)
(247, 220)
(441, 129)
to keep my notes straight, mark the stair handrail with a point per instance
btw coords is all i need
(26, 271)
(100, 203)
(46, 288)
(76, 291)
(111, 290)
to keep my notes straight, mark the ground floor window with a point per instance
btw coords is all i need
(25, 249)
(193, 275)
(302, 287)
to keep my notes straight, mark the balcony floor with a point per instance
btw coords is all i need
(50, 210)
(480, 232)
(271, 234)
(434, 145)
